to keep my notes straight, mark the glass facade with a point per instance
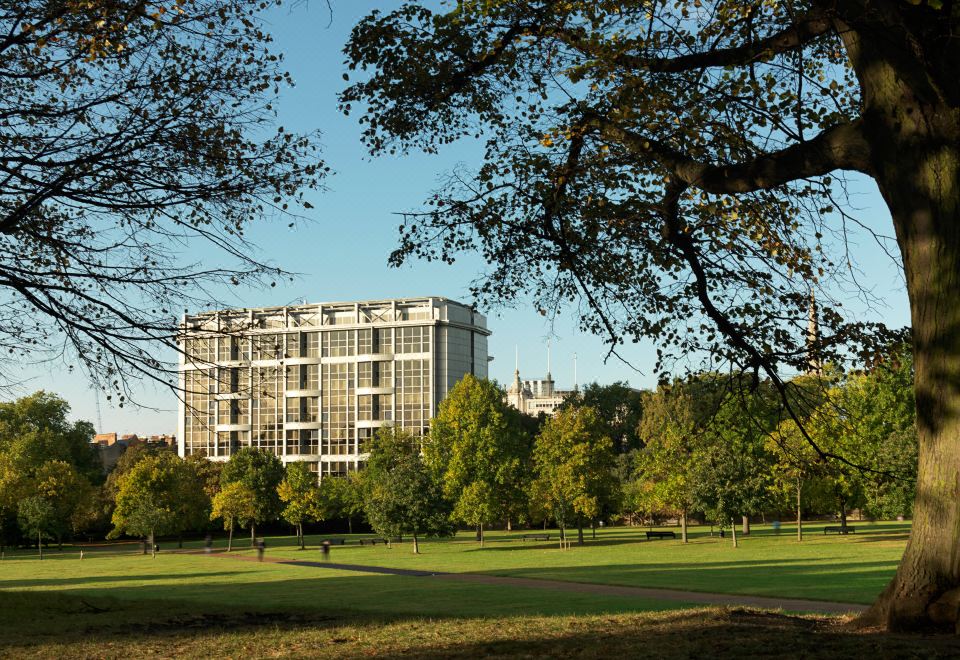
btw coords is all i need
(284, 380)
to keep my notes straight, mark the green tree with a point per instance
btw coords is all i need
(300, 493)
(673, 167)
(401, 494)
(574, 468)
(619, 406)
(343, 496)
(235, 504)
(72, 496)
(208, 471)
(35, 429)
(478, 449)
(37, 518)
(161, 494)
(261, 472)
(138, 127)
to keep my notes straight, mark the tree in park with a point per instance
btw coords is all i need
(619, 406)
(479, 450)
(74, 499)
(669, 430)
(676, 167)
(161, 494)
(343, 497)
(300, 495)
(401, 494)
(35, 429)
(261, 472)
(574, 468)
(132, 127)
(234, 504)
(37, 518)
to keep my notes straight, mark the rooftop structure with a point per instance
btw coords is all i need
(313, 382)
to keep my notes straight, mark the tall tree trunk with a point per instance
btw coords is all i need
(913, 132)
(509, 525)
(416, 545)
(683, 525)
(153, 545)
(733, 532)
(579, 531)
(799, 512)
(480, 532)
(746, 525)
(843, 515)
(253, 538)
(40, 544)
(230, 539)
(350, 524)
(300, 534)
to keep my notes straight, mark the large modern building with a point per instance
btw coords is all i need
(313, 382)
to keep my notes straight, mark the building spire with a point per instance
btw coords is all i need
(548, 359)
(575, 387)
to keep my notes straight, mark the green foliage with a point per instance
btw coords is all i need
(480, 452)
(37, 517)
(235, 504)
(161, 494)
(34, 429)
(574, 466)
(261, 472)
(619, 407)
(342, 496)
(401, 494)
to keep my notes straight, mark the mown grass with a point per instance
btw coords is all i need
(851, 569)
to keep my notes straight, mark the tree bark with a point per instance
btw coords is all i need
(40, 544)
(579, 531)
(799, 513)
(416, 545)
(683, 526)
(843, 515)
(914, 136)
(480, 533)
(350, 524)
(746, 525)
(300, 534)
(733, 532)
(230, 539)
(153, 545)
(253, 540)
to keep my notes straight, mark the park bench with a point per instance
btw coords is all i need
(535, 537)
(370, 541)
(336, 541)
(661, 535)
(839, 530)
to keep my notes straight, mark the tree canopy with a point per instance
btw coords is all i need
(679, 169)
(130, 128)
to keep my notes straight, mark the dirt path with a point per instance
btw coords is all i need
(671, 595)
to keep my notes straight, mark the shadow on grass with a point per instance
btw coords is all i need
(70, 581)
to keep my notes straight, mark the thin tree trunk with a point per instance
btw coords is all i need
(733, 531)
(253, 540)
(416, 545)
(350, 524)
(40, 544)
(480, 531)
(746, 525)
(153, 545)
(843, 515)
(593, 529)
(683, 525)
(799, 513)
(509, 525)
(579, 531)
(180, 540)
(230, 539)
(300, 533)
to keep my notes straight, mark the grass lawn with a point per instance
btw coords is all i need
(851, 569)
(118, 603)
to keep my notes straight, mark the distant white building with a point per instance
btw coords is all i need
(533, 397)
(313, 382)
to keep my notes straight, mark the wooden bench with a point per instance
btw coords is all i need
(535, 537)
(661, 535)
(840, 530)
(395, 539)
(370, 541)
(335, 541)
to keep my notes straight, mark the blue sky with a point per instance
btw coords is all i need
(341, 251)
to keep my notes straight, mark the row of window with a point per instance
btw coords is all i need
(337, 343)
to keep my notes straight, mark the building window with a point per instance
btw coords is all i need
(337, 343)
(413, 340)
